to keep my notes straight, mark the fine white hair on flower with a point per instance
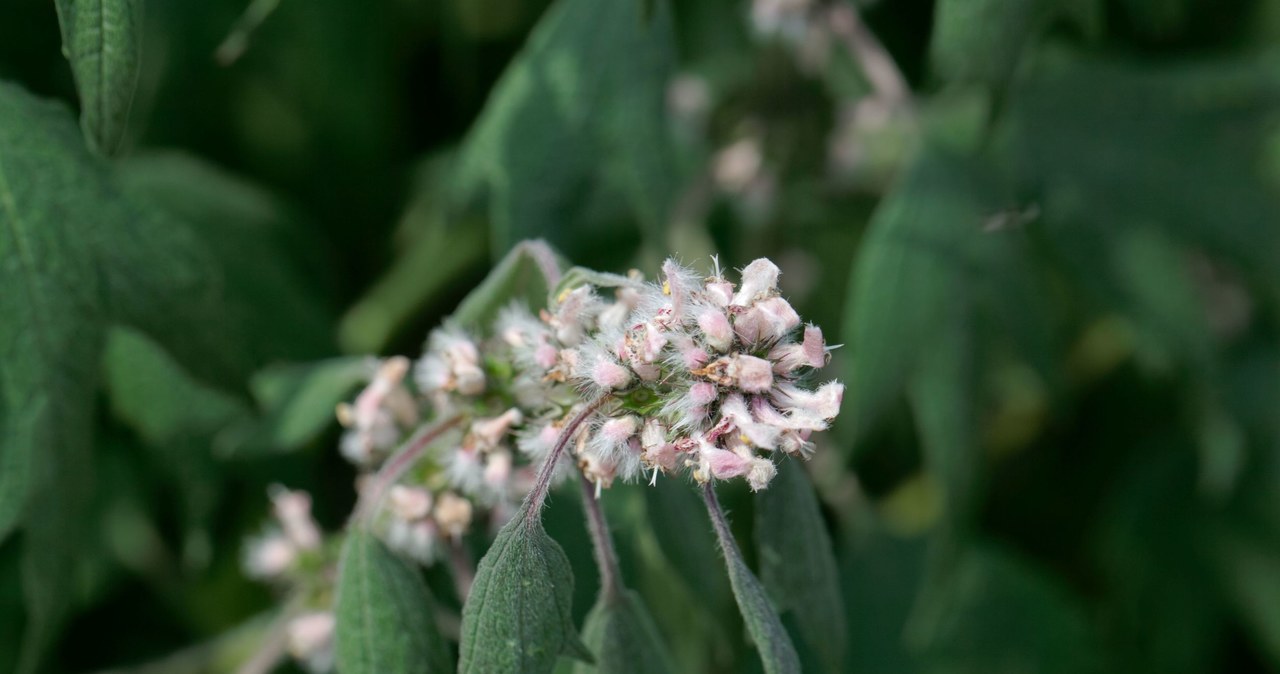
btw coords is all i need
(695, 374)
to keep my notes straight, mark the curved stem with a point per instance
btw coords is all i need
(538, 495)
(719, 522)
(606, 555)
(395, 467)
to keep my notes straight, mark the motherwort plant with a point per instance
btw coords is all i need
(689, 377)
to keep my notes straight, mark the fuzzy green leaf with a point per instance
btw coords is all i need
(155, 396)
(79, 253)
(797, 564)
(384, 614)
(297, 404)
(438, 256)
(583, 101)
(777, 653)
(519, 616)
(622, 634)
(527, 273)
(103, 41)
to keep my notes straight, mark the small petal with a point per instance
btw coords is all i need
(759, 279)
(715, 328)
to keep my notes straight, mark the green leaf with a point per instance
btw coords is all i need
(527, 274)
(797, 565)
(622, 634)
(103, 41)
(777, 653)
(384, 613)
(275, 272)
(519, 616)
(438, 256)
(996, 612)
(297, 403)
(584, 101)
(675, 519)
(154, 395)
(938, 255)
(79, 253)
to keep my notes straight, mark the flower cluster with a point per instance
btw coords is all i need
(707, 377)
(694, 375)
(282, 555)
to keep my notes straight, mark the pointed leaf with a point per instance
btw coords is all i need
(385, 622)
(438, 256)
(78, 253)
(519, 616)
(103, 41)
(527, 273)
(622, 634)
(797, 565)
(777, 653)
(982, 40)
(297, 404)
(154, 395)
(583, 101)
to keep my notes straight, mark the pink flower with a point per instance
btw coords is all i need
(753, 375)
(715, 328)
(610, 375)
(293, 511)
(759, 280)
(409, 503)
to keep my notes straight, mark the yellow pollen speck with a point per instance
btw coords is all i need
(743, 438)
(563, 294)
(666, 287)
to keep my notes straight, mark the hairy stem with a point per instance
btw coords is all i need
(720, 523)
(395, 467)
(538, 495)
(606, 555)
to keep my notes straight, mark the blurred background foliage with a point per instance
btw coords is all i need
(1045, 231)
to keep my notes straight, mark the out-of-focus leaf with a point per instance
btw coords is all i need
(384, 614)
(994, 612)
(526, 273)
(155, 395)
(797, 565)
(297, 404)
(675, 517)
(436, 254)
(777, 653)
(940, 261)
(273, 303)
(519, 616)
(623, 637)
(584, 101)
(78, 252)
(1112, 145)
(103, 41)
(1250, 571)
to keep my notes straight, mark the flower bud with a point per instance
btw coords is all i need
(759, 280)
(409, 503)
(310, 640)
(293, 511)
(715, 328)
(487, 433)
(761, 473)
(453, 514)
(766, 320)
(497, 470)
(269, 557)
(751, 374)
(609, 375)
